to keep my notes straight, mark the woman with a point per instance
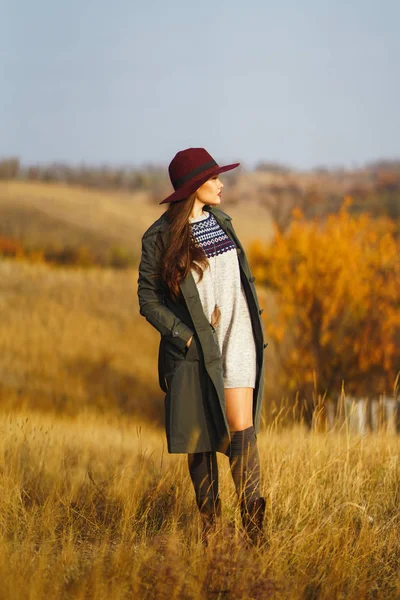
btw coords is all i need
(195, 287)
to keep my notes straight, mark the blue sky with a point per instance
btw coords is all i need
(301, 83)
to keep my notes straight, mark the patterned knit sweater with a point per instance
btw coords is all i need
(221, 283)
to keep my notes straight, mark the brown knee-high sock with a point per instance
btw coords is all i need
(245, 464)
(203, 469)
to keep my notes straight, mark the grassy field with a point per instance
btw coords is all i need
(41, 214)
(94, 507)
(70, 340)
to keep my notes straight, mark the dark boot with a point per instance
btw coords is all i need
(252, 519)
(209, 512)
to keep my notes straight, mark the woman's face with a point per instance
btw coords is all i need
(210, 192)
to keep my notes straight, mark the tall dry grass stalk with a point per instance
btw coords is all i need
(94, 507)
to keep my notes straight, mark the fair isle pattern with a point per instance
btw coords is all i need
(211, 237)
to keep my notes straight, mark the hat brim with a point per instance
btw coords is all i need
(192, 185)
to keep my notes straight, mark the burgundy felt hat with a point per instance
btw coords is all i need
(189, 169)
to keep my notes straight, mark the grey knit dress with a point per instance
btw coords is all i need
(221, 283)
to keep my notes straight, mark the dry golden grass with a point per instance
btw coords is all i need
(94, 507)
(70, 338)
(41, 214)
(74, 337)
(91, 503)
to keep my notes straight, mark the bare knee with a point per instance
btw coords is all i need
(239, 421)
(239, 408)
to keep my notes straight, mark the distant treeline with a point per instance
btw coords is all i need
(101, 177)
(374, 188)
(134, 178)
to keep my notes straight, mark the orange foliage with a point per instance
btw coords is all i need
(75, 256)
(11, 248)
(337, 287)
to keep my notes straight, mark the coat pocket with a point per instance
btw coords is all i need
(173, 356)
(192, 353)
(174, 359)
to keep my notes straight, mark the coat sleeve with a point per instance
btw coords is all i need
(151, 297)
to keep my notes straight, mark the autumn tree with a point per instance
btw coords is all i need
(336, 285)
(282, 197)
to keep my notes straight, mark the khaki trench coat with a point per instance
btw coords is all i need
(192, 378)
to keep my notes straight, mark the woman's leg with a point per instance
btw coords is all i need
(244, 458)
(203, 469)
(245, 461)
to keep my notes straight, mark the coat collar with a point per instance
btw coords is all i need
(218, 213)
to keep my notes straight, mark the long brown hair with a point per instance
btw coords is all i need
(182, 250)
